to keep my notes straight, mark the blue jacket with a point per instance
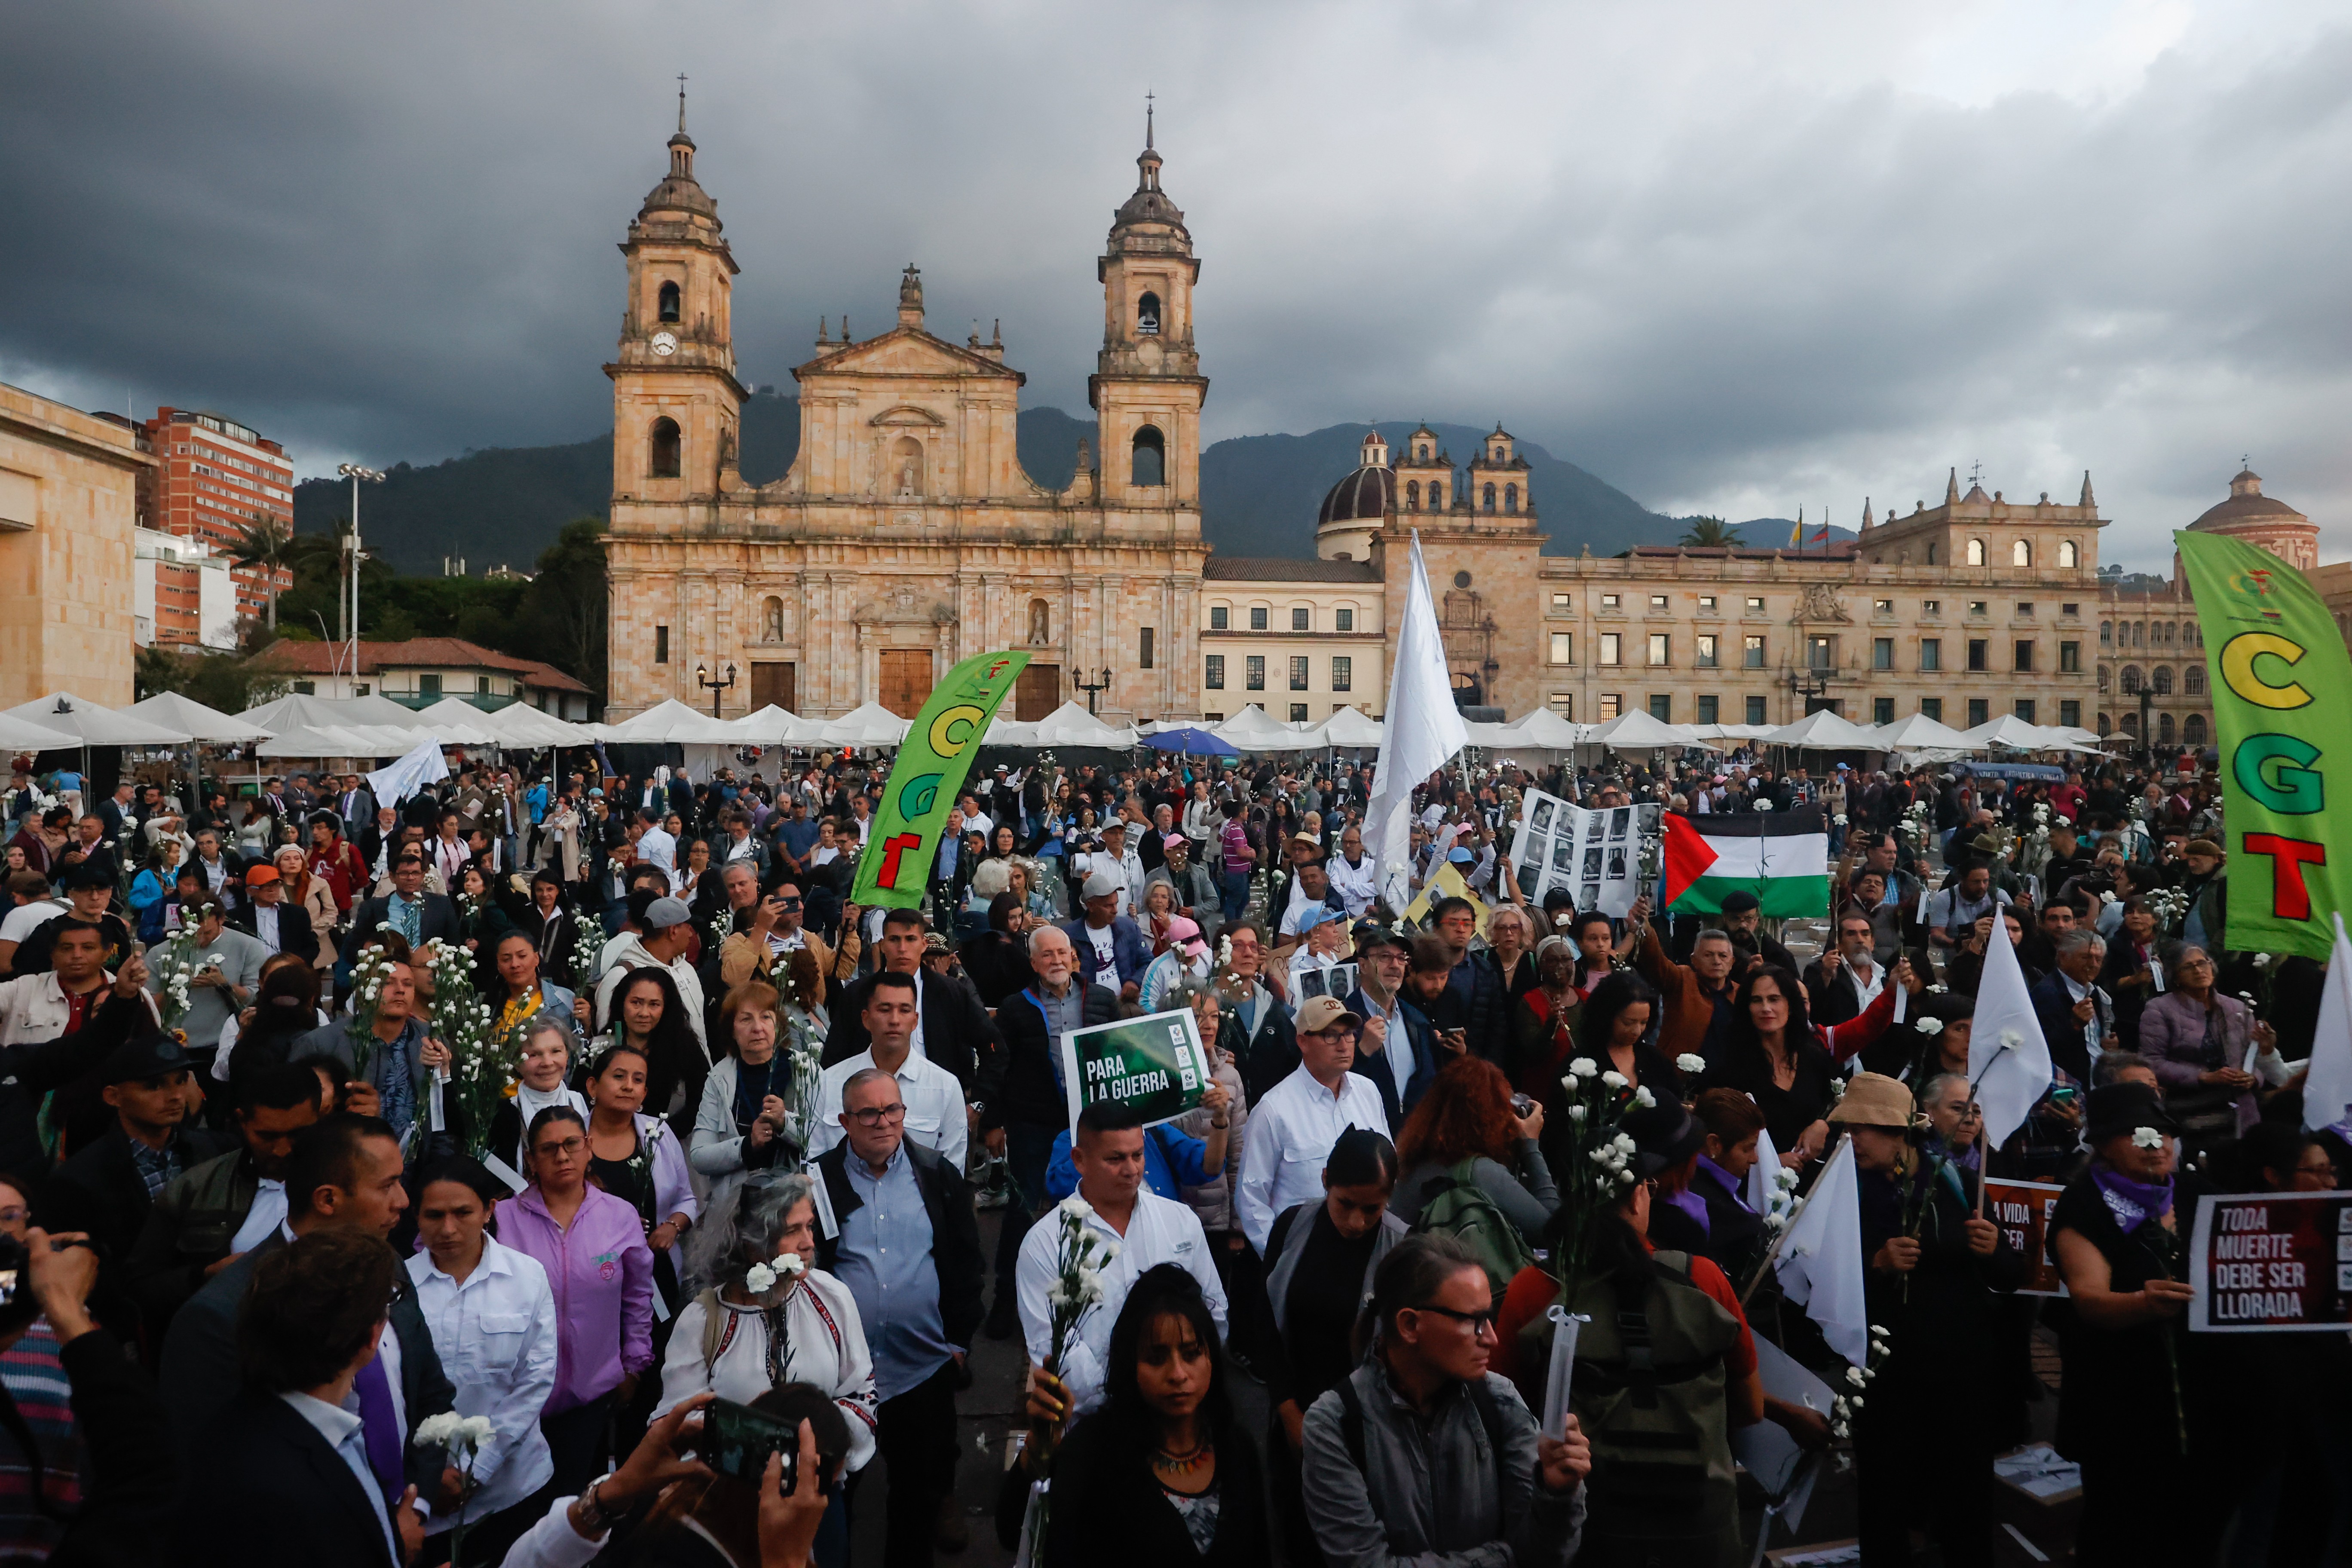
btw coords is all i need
(1169, 1159)
(1130, 954)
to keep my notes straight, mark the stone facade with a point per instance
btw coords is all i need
(1299, 639)
(68, 505)
(906, 535)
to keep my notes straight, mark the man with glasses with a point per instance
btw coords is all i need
(931, 1099)
(1292, 1129)
(908, 1249)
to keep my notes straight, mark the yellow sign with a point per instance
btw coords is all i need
(1446, 884)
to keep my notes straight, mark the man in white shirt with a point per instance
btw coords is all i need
(1351, 871)
(1123, 862)
(656, 847)
(1844, 982)
(1293, 1126)
(1145, 1229)
(931, 1100)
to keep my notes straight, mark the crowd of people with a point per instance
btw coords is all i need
(754, 1127)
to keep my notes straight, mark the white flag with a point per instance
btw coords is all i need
(409, 775)
(1821, 1263)
(2009, 1061)
(2328, 1092)
(1759, 1184)
(1420, 732)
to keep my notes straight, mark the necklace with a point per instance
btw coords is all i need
(1184, 1463)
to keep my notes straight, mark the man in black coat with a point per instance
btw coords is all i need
(1836, 982)
(435, 915)
(107, 1189)
(954, 1032)
(266, 917)
(285, 1474)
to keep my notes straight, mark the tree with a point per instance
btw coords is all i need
(1709, 534)
(567, 603)
(227, 681)
(268, 545)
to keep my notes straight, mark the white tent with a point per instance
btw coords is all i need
(24, 735)
(520, 725)
(1072, 725)
(1919, 733)
(1254, 729)
(867, 724)
(773, 726)
(332, 740)
(379, 713)
(1637, 731)
(1347, 727)
(91, 725)
(1544, 729)
(175, 711)
(454, 721)
(2076, 738)
(2010, 731)
(1006, 731)
(1823, 731)
(1490, 737)
(1733, 731)
(669, 720)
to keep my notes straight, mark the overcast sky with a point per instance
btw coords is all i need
(1731, 257)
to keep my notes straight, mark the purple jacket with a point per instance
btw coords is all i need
(603, 1275)
(2172, 1037)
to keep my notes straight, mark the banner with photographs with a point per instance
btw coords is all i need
(1595, 855)
(1310, 981)
(1155, 1064)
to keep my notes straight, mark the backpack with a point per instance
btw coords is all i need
(1405, 1543)
(1455, 1205)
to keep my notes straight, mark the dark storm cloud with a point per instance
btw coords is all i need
(1730, 260)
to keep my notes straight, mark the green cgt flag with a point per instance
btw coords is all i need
(933, 762)
(2282, 686)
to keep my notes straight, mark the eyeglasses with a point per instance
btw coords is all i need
(874, 1116)
(569, 1146)
(789, 903)
(1479, 1322)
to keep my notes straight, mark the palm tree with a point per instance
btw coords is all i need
(266, 544)
(1709, 534)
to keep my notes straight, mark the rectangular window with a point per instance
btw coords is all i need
(1563, 647)
(1254, 672)
(1709, 707)
(1931, 653)
(1608, 601)
(1976, 606)
(1220, 617)
(1343, 620)
(1612, 646)
(1979, 654)
(1564, 704)
(1343, 673)
(1302, 618)
(1881, 710)
(1707, 644)
(2025, 709)
(482, 686)
(1562, 602)
(1932, 708)
(1143, 651)
(661, 644)
(1754, 710)
(1882, 606)
(1881, 653)
(1214, 677)
(2070, 714)
(1613, 706)
(1257, 618)
(430, 685)
(2024, 656)
(1820, 653)
(1931, 606)
(1751, 653)
(1977, 712)
(1662, 707)
(1657, 601)
(306, 689)
(1298, 672)
(2024, 608)
(1706, 601)
(1299, 712)
(2070, 658)
(2070, 609)
(1755, 605)
(1661, 649)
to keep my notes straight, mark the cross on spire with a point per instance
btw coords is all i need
(681, 100)
(1146, 119)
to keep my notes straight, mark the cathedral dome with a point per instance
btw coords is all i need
(2247, 504)
(1369, 494)
(679, 191)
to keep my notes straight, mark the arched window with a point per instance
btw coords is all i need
(1511, 497)
(1150, 458)
(2131, 680)
(2163, 729)
(771, 618)
(2107, 726)
(1041, 623)
(2106, 634)
(667, 448)
(669, 301)
(1146, 316)
(2193, 681)
(1931, 555)
(1412, 495)
(907, 466)
(1422, 452)
(2192, 730)
(2162, 681)
(2069, 553)
(2131, 723)
(2140, 634)
(1437, 496)
(1976, 552)
(1489, 498)
(2102, 679)
(2021, 553)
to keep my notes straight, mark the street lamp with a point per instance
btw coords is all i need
(702, 679)
(1078, 680)
(354, 554)
(1806, 685)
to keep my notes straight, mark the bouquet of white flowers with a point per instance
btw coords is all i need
(1078, 1263)
(483, 1062)
(587, 946)
(369, 970)
(461, 1439)
(804, 1050)
(1843, 1407)
(175, 965)
(1597, 1166)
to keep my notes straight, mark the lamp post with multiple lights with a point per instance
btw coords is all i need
(349, 612)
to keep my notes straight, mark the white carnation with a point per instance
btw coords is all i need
(759, 1279)
(1614, 1078)
(2146, 1138)
(1584, 1067)
(1645, 1099)
(1076, 1207)
(1689, 1063)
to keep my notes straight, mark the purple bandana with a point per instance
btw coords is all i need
(1724, 1179)
(2132, 1204)
(1691, 1203)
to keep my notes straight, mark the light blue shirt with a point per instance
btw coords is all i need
(342, 1429)
(885, 1261)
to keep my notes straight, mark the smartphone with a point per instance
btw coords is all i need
(2063, 1095)
(1522, 1107)
(738, 1439)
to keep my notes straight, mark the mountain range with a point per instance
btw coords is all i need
(1259, 494)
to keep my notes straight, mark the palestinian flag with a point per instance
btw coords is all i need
(1781, 857)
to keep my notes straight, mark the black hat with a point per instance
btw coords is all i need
(1371, 933)
(2116, 1109)
(1664, 1136)
(1739, 902)
(86, 876)
(148, 1056)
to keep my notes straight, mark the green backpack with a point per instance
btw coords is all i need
(1455, 1204)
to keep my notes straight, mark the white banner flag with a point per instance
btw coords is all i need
(1421, 732)
(1821, 1263)
(2009, 1061)
(2328, 1092)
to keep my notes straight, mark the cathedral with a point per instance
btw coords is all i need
(906, 535)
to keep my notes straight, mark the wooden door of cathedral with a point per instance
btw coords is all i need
(773, 681)
(906, 680)
(1038, 692)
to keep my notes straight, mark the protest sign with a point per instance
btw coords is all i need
(1595, 855)
(895, 870)
(1446, 882)
(2021, 1210)
(2272, 1263)
(1155, 1064)
(1340, 980)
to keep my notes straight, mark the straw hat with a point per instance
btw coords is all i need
(1874, 1100)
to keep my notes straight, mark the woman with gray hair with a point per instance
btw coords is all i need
(763, 1314)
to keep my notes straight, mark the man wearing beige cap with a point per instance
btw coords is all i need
(1293, 1126)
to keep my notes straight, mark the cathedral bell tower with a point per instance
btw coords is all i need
(1147, 389)
(677, 405)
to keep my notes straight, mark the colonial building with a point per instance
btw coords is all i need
(906, 535)
(69, 504)
(421, 671)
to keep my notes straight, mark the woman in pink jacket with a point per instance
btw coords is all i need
(592, 1247)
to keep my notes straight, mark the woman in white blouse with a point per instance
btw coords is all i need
(492, 1317)
(737, 1342)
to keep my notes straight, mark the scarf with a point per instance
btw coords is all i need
(2132, 1204)
(1724, 1179)
(529, 1102)
(1691, 1203)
